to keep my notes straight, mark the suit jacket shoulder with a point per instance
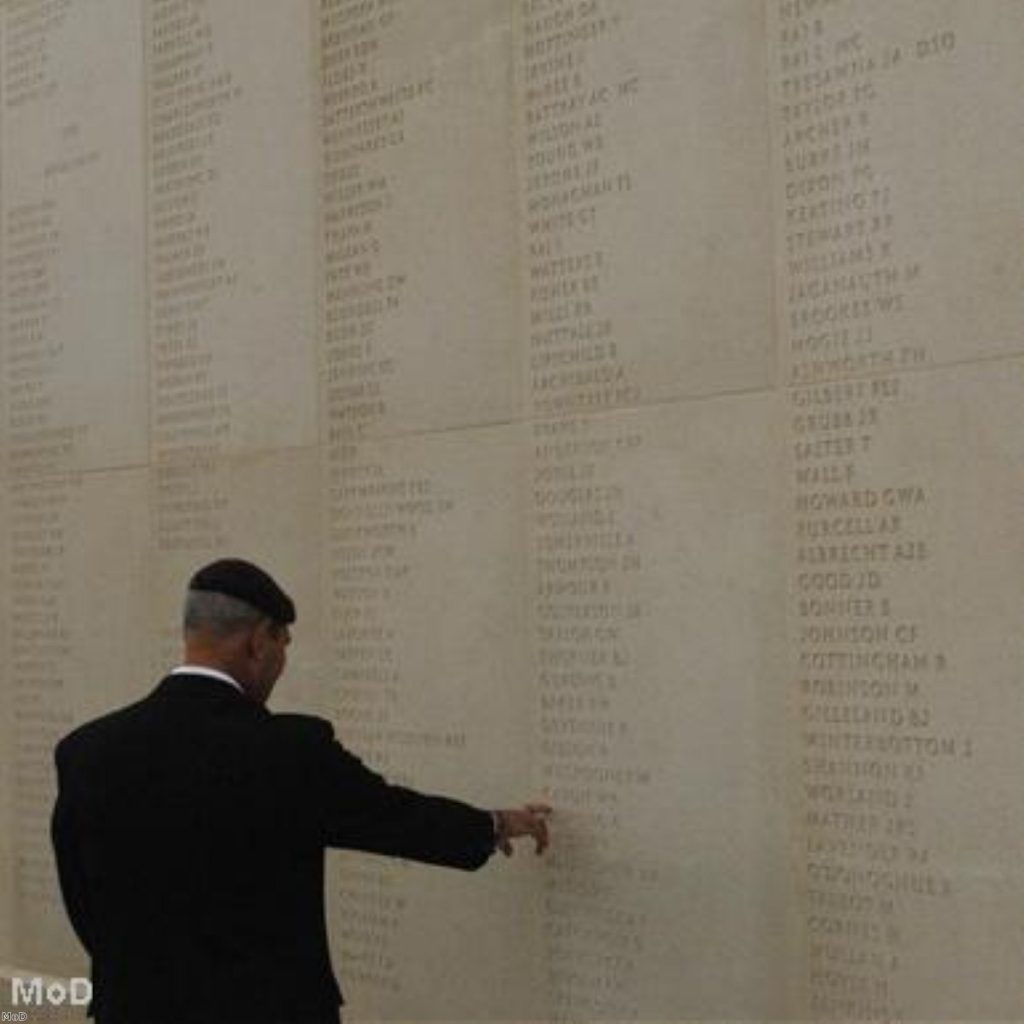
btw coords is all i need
(302, 730)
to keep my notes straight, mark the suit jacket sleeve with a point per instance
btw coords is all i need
(360, 810)
(65, 836)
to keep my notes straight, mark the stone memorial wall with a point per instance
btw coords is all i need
(631, 395)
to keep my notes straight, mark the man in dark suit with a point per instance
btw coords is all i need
(190, 828)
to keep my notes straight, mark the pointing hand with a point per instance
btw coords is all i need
(529, 820)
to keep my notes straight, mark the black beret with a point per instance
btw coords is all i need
(249, 583)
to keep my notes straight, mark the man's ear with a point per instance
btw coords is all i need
(259, 636)
(252, 642)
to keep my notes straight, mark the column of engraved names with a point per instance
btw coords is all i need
(31, 237)
(29, 72)
(586, 623)
(869, 671)
(40, 661)
(572, 174)
(847, 283)
(870, 736)
(375, 516)
(191, 95)
(363, 117)
(37, 446)
(31, 242)
(583, 555)
(37, 441)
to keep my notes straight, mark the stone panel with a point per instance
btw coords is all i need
(232, 304)
(897, 173)
(71, 657)
(645, 221)
(418, 225)
(73, 226)
(906, 655)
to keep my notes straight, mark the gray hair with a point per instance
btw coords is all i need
(222, 614)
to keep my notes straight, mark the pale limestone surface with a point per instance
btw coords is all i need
(439, 248)
(73, 656)
(673, 139)
(932, 153)
(628, 394)
(73, 195)
(232, 251)
(691, 713)
(951, 443)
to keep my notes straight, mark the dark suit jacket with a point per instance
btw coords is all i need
(190, 830)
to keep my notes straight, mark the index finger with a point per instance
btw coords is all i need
(540, 836)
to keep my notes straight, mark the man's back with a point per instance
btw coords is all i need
(190, 829)
(183, 831)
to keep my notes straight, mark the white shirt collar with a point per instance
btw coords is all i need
(202, 670)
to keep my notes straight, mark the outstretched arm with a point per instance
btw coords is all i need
(361, 810)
